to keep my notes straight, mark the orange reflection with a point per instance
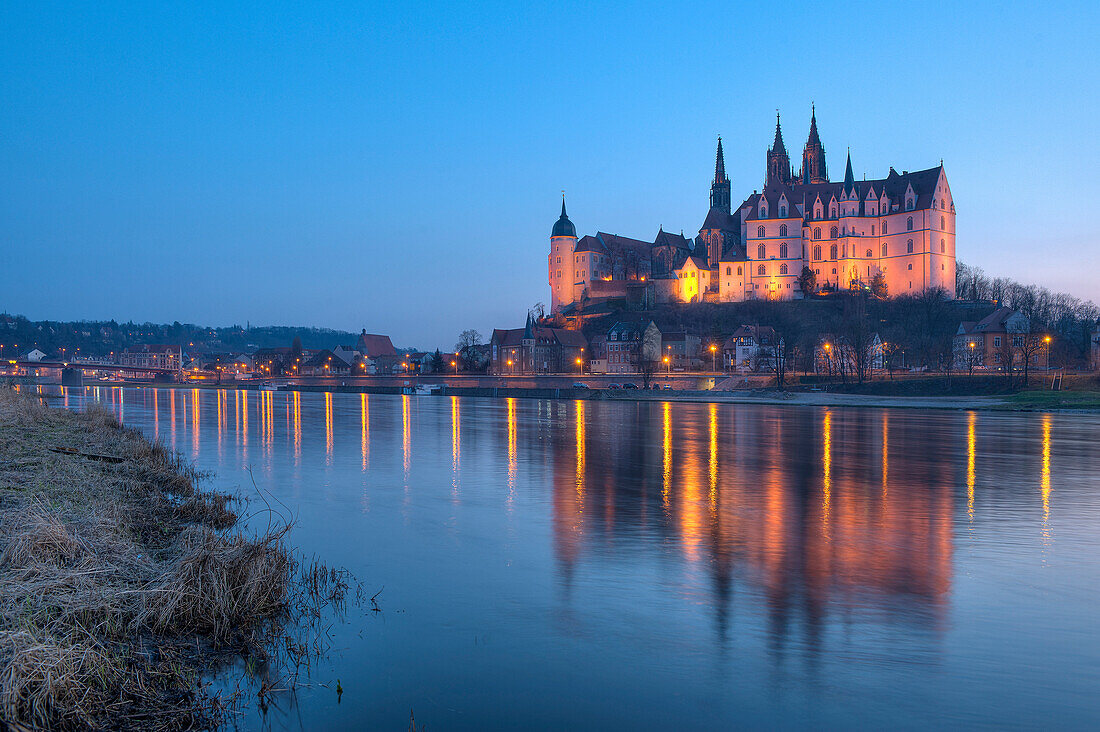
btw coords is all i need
(456, 442)
(364, 418)
(827, 468)
(156, 413)
(713, 462)
(581, 457)
(195, 421)
(666, 446)
(172, 411)
(296, 411)
(885, 453)
(244, 415)
(512, 458)
(1044, 478)
(406, 435)
(971, 454)
(328, 425)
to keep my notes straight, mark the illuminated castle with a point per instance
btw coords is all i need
(845, 232)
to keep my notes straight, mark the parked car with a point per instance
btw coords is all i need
(614, 386)
(630, 386)
(666, 387)
(580, 385)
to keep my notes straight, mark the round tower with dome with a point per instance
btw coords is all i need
(563, 241)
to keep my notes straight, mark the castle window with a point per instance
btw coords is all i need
(832, 212)
(909, 224)
(782, 229)
(933, 203)
(870, 254)
(738, 271)
(884, 250)
(832, 252)
(760, 270)
(760, 253)
(817, 253)
(782, 251)
(817, 271)
(834, 270)
(782, 269)
(943, 222)
(760, 231)
(832, 233)
(910, 266)
(727, 271)
(943, 267)
(909, 247)
(883, 228)
(817, 233)
(909, 204)
(943, 247)
(943, 204)
(782, 212)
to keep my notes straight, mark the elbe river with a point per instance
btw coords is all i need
(656, 565)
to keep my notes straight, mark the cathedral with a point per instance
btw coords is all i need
(845, 233)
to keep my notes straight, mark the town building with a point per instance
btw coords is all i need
(535, 349)
(991, 341)
(682, 350)
(846, 232)
(632, 347)
(750, 348)
(372, 345)
(153, 356)
(835, 354)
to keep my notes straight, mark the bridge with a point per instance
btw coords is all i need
(72, 373)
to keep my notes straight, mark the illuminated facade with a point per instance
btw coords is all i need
(847, 233)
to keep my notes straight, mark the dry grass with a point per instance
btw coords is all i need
(122, 582)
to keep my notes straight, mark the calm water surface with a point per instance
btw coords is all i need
(593, 565)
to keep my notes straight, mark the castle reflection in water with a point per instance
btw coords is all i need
(812, 510)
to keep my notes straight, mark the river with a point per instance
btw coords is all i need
(647, 565)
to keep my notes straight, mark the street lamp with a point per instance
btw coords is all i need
(579, 369)
(455, 364)
(510, 369)
(1046, 340)
(668, 365)
(713, 355)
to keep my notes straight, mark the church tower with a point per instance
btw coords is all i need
(563, 240)
(779, 164)
(813, 155)
(720, 188)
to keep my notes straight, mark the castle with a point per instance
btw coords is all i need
(844, 232)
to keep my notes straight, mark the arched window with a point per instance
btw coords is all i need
(909, 204)
(884, 228)
(909, 224)
(943, 222)
(909, 247)
(782, 212)
(870, 254)
(832, 233)
(760, 254)
(738, 271)
(817, 233)
(760, 231)
(933, 203)
(943, 246)
(884, 250)
(782, 229)
(817, 253)
(782, 269)
(782, 251)
(760, 270)
(832, 252)
(727, 271)
(832, 212)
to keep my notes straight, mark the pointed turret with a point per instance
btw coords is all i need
(529, 329)
(779, 164)
(563, 226)
(849, 178)
(813, 155)
(720, 187)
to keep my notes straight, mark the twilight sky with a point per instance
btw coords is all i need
(398, 166)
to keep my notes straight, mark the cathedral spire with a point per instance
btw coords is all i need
(720, 187)
(563, 226)
(813, 155)
(777, 146)
(720, 164)
(849, 178)
(779, 164)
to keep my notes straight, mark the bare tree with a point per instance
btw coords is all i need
(857, 337)
(467, 341)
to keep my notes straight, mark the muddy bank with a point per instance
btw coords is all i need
(123, 583)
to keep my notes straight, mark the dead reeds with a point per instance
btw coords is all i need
(122, 582)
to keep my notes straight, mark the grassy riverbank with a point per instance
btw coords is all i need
(123, 583)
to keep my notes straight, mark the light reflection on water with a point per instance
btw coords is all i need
(654, 565)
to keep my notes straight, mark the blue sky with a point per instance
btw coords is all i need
(398, 166)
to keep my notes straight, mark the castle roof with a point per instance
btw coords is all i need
(563, 226)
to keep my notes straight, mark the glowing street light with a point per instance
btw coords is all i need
(713, 355)
(579, 369)
(1046, 340)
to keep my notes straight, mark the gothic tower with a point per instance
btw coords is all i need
(720, 188)
(813, 155)
(779, 164)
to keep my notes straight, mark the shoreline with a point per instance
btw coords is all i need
(1024, 401)
(123, 584)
